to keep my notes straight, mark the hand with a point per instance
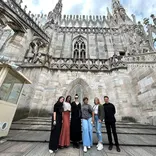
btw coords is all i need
(100, 121)
(54, 123)
(92, 121)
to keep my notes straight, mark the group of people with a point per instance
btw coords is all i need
(73, 122)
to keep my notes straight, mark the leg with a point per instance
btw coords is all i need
(85, 134)
(108, 128)
(90, 131)
(100, 145)
(114, 133)
(99, 131)
(96, 125)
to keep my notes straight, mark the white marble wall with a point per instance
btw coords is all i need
(144, 86)
(49, 85)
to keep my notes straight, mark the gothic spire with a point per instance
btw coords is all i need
(119, 12)
(115, 5)
(58, 7)
(55, 15)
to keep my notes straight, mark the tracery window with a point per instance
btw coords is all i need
(79, 48)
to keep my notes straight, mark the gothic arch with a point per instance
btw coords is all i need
(79, 82)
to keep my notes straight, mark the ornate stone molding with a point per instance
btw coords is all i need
(95, 65)
(147, 58)
(93, 30)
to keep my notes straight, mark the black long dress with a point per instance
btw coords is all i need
(75, 126)
(56, 130)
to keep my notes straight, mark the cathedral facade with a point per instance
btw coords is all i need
(92, 56)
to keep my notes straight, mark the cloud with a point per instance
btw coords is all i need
(140, 8)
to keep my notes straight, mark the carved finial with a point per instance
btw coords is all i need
(146, 21)
(25, 7)
(134, 19)
(19, 2)
(154, 18)
(32, 16)
(29, 13)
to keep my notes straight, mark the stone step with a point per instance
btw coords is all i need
(43, 136)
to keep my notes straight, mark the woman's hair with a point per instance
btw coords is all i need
(60, 98)
(85, 98)
(97, 100)
(67, 98)
(76, 96)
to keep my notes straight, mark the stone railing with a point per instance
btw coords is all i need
(27, 19)
(96, 65)
(147, 60)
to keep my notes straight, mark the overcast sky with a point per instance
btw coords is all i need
(141, 8)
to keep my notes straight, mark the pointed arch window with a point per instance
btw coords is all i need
(79, 48)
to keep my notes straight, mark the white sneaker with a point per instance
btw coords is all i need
(50, 151)
(100, 147)
(85, 149)
(88, 147)
(97, 145)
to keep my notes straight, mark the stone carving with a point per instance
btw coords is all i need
(18, 12)
(150, 30)
(32, 54)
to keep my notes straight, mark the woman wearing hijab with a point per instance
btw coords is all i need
(98, 118)
(75, 127)
(65, 132)
(56, 125)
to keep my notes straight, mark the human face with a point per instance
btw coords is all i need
(86, 101)
(106, 100)
(96, 100)
(68, 99)
(62, 100)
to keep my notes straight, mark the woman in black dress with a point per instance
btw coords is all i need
(56, 125)
(75, 127)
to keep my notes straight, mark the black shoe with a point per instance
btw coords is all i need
(74, 146)
(118, 149)
(77, 145)
(61, 147)
(110, 147)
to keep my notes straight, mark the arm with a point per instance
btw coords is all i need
(114, 110)
(101, 113)
(93, 117)
(92, 112)
(54, 116)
